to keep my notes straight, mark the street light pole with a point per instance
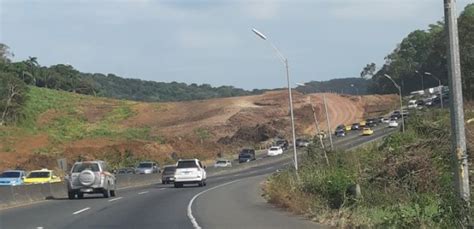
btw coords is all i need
(285, 62)
(440, 87)
(401, 102)
(456, 102)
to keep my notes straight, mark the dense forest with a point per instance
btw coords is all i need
(65, 77)
(422, 56)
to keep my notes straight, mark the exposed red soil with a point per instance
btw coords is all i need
(226, 123)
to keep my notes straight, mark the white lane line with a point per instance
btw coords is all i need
(118, 198)
(39, 227)
(80, 211)
(162, 189)
(190, 205)
(141, 193)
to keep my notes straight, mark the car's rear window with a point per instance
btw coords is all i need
(245, 156)
(86, 166)
(274, 148)
(169, 170)
(39, 175)
(145, 165)
(221, 162)
(186, 164)
(244, 151)
(10, 175)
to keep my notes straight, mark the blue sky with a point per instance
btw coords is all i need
(211, 41)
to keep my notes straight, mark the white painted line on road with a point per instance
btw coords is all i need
(80, 211)
(162, 189)
(39, 227)
(118, 198)
(141, 193)
(190, 205)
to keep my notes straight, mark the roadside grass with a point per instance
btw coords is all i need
(406, 181)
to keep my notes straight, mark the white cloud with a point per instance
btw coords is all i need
(381, 10)
(261, 10)
(205, 38)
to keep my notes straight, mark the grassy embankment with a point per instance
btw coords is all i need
(67, 117)
(406, 181)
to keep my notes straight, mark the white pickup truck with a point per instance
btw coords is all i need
(189, 171)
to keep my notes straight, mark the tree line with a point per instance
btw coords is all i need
(424, 52)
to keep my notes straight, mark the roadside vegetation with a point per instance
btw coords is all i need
(425, 51)
(406, 181)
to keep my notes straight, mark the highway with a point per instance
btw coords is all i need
(230, 200)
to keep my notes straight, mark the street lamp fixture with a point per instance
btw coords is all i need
(401, 103)
(440, 87)
(285, 62)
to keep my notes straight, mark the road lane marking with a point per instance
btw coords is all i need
(80, 211)
(118, 198)
(39, 227)
(141, 193)
(190, 205)
(162, 189)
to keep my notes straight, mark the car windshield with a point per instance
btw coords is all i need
(45, 174)
(186, 164)
(221, 162)
(94, 167)
(145, 165)
(10, 175)
(274, 148)
(245, 156)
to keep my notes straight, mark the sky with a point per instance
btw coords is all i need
(211, 41)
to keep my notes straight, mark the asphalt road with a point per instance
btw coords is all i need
(230, 200)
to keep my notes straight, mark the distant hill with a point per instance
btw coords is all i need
(351, 86)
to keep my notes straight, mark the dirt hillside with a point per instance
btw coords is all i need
(96, 128)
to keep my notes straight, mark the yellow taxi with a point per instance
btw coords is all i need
(362, 123)
(367, 131)
(41, 177)
(348, 127)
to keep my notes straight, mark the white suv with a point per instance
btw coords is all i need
(189, 171)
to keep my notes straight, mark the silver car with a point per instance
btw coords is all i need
(147, 167)
(90, 177)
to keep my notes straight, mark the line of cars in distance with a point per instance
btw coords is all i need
(21, 177)
(366, 126)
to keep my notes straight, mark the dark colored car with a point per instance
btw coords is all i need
(282, 143)
(340, 133)
(246, 155)
(339, 129)
(355, 126)
(371, 122)
(126, 171)
(168, 174)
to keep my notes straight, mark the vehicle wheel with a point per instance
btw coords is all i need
(80, 195)
(205, 183)
(112, 193)
(163, 182)
(177, 185)
(201, 183)
(106, 193)
(71, 195)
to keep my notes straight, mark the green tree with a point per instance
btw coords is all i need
(12, 97)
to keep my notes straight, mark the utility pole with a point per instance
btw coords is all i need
(456, 102)
(327, 119)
